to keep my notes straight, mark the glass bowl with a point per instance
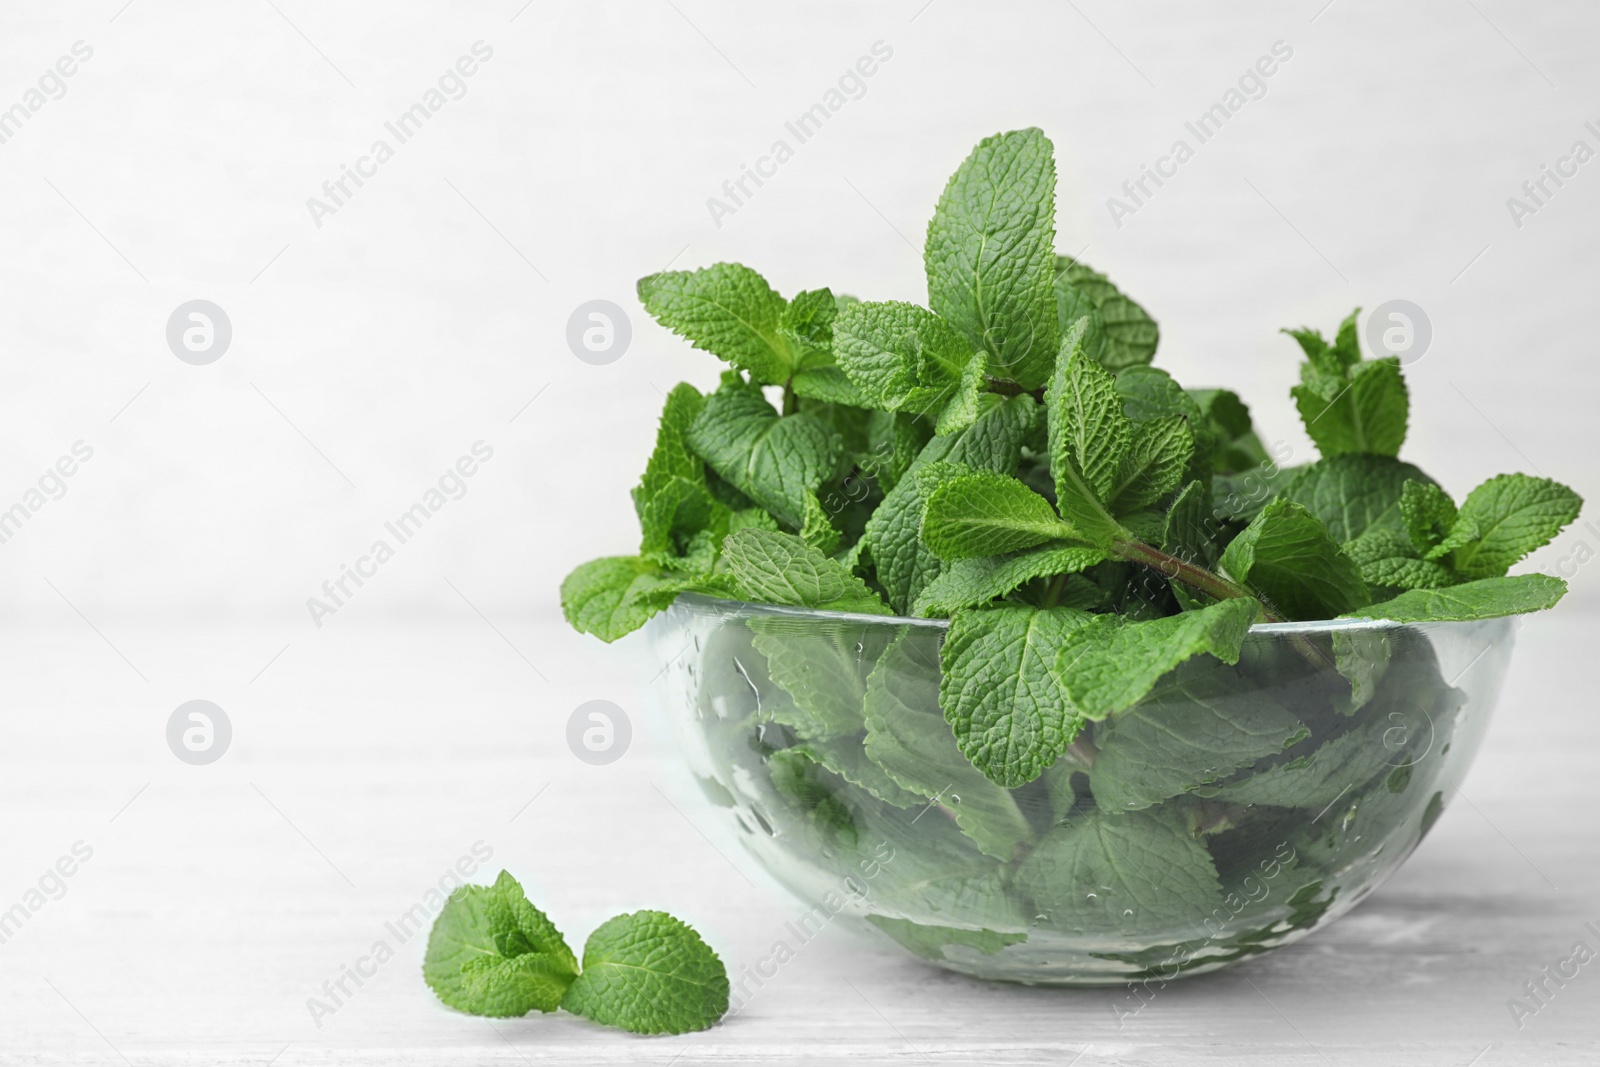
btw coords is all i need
(1237, 808)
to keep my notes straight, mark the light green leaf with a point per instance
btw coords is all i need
(990, 254)
(614, 596)
(651, 974)
(1130, 333)
(1390, 561)
(1088, 436)
(968, 583)
(775, 461)
(1510, 516)
(999, 692)
(1427, 513)
(779, 568)
(909, 740)
(986, 514)
(899, 356)
(506, 988)
(1195, 727)
(828, 384)
(807, 324)
(1486, 598)
(1159, 452)
(1364, 412)
(479, 930)
(728, 310)
(1111, 663)
(963, 408)
(1091, 872)
(1354, 493)
(1286, 556)
(824, 671)
(930, 942)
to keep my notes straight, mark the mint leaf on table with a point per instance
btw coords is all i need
(1130, 333)
(1354, 493)
(777, 568)
(993, 442)
(728, 310)
(1287, 558)
(1110, 664)
(999, 692)
(986, 514)
(649, 973)
(1349, 404)
(1486, 598)
(990, 254)
(1089, 434)
(908, 740)
(1508, 517)
(1192, 729)
(475, 945)
(1092, 870)
(966, 583)
(900, 357)
(776, 461)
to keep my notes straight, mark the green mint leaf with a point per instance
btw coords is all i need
(1130, 333)
(649, 973)
(778, 568)
(775, 461)
(1090, 872)
(461, 933)
(1240, 497)
(801, 781)
(1486, 598)
(818, 530)
(828, 384)
(990, 254)
(614, 596)
(1159, 452)
(1234, 444)
(894, 440)
(1353, 494)
(1365, 411)
(966, 404)
(821, 669)
(900, 357)
(1510, 516)
(1088, 437)
(519, 927)
(849, 760)
(672, 457)
(908, 739)
(1287, 558)
(1390, 561)
(728, 310)
(1190, 529)
(968, 583)
(929, 942)
(1111, 664)
(987, 514)
(999, 691)
(506, 988)
(894, 532)
(807, 324)
(1193, 728)
(1428, 514)
(1343, 765)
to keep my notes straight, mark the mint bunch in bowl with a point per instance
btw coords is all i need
(986, 541)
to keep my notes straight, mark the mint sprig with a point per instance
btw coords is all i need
(492, 953)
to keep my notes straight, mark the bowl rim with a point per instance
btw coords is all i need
(706, 604)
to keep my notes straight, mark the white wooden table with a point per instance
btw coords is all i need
(367, 758)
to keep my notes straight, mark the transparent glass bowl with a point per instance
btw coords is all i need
(1150, 849)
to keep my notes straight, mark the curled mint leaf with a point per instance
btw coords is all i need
(649, 973)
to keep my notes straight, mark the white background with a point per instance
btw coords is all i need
(371, 351)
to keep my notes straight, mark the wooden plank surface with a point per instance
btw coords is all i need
(366, 762)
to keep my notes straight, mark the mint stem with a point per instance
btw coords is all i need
(1171, 566)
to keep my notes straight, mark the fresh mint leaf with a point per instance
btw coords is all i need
(967, 583)
(1235, 444)
(1365, 410)
(728, 310)
(965, 404)
(894, 440)
(908, 739)
(614, 596)
(999, 692)
(1510, 516)
(824, 671)
(1121, 874)
(506, 988)
(1089, 434)
(828, 384)
(1486, 598)
(1195, 727)
(1354, 493)
(492, 953)
(894, 532)
(1130, 333)
(930, 942)
(1111, 664)
(1190, 529)
(1287, 558)
(1427, 513)
(990, 254)
(807, 324)
(776, 461)
(1390, 561)
(1159, 452)
(649, 973)
(986, 514)
(777, 568)
(899, 356)
(672, 456)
